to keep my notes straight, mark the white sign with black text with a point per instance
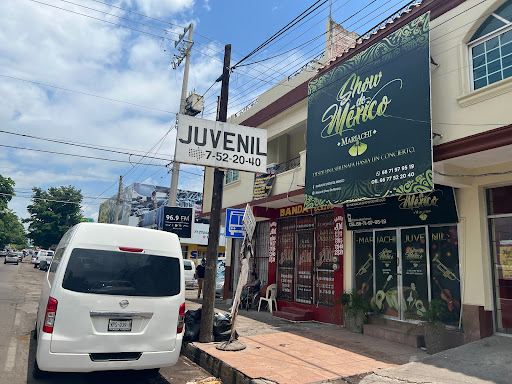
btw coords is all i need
(221, 145)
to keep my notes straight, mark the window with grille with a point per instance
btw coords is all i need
(231, 176)
(261, 244)
(491, 48)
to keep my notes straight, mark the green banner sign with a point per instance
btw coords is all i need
(369, 131)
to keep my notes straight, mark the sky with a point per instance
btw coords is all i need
(94, 79)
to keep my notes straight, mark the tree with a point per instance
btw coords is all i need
(6, 192)
(52, 213)
(11, 230)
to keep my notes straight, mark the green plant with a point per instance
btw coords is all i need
(354, 303)
(434, 312)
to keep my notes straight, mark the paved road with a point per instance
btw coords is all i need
(20, 286)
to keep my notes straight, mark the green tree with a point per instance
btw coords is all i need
(6, 192)
(52, 213)
(11, 230)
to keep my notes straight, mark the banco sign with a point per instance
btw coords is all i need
(221, 145)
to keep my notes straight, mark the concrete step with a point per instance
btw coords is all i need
(411, 336)
(297, 311)
(295, 314)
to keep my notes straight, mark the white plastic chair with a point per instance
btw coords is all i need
(270, 297)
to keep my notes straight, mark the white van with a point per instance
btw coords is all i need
(113, 299)
(190, 273)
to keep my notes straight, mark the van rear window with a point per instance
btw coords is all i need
(121, 273)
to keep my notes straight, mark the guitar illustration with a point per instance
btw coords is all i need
(381, 295)
(446, 295)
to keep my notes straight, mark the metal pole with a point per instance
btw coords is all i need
(207, 312)
(118, 200)
(176, 166)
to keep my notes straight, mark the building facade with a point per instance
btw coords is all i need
(454, 243)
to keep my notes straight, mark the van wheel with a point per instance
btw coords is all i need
(37, 373)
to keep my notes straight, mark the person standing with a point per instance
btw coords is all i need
(200, 277)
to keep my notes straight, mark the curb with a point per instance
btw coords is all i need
(218, 368)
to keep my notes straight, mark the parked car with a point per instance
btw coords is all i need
(35, 258)
(12, 257)
(190, 273)
(3, 252)
(47, 258)
(114, 299)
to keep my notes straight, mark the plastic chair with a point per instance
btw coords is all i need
(270, 297)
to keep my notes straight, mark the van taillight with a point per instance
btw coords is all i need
(181, 318)
(49, 317)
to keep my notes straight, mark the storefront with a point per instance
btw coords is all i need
(307, 267)
(406, 253)
(499, 211)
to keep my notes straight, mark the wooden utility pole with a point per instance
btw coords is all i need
(118, 200)
(207, 312)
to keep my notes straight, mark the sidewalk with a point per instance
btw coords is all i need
(296, 353)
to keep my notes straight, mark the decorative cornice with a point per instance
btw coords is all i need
(484, 141)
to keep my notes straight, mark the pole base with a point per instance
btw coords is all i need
(234, 346)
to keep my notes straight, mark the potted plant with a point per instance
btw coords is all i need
(355, 308)
(433, 326)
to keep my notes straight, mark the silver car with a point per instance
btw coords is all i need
(12, 257)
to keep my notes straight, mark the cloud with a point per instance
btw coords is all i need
(49, 46)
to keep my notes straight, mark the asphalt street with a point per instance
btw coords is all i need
(20, 286)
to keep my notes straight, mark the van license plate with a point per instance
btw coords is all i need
(120, 325)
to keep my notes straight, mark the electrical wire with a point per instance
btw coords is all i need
(88, 146)
(85, 93)
(57, 173)
(43, 199)
(75, 155)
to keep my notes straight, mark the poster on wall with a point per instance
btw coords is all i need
(364, 264)
(369, 130)
(385, 300)
(505, 255)
(414, 272)
(305, 242)
(263, 184)
(286, 258)
(324, 258)
(444, 270)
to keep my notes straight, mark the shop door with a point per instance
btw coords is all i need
(401, 276)
(387, 273)
(305, 249)
(414, 272)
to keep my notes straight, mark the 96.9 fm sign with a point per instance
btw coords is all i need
(179, 220)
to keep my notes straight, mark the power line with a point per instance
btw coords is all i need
(40, 198)
(75, 155)
(57, 173)
(79, 145)
(85, 93)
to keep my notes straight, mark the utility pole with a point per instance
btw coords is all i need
(175, 165)
(206, 330)
(118, 200)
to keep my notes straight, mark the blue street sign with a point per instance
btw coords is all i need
(234, 226)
